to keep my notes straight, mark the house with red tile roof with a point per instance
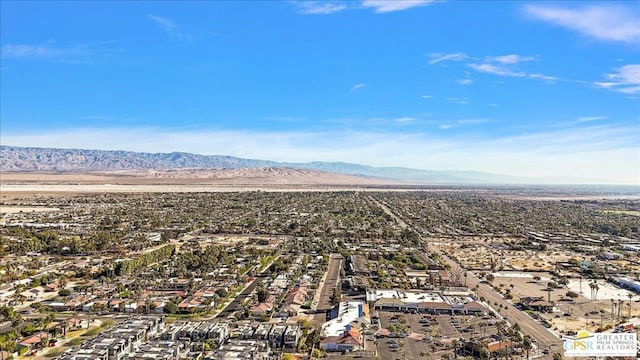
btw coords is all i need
(350, 340)
(33, 341)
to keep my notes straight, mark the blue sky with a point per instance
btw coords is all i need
(519, 88)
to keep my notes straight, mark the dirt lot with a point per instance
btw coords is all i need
(483, 253)
(571, 315)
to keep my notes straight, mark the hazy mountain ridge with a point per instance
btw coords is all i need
(50, 159)
(34, 159)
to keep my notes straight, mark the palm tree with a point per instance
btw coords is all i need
(47, 320)
(586, 319)
(548, 290)
(62, 281)
(18, 324)
(515, 328)
(527, 344)
(620, 303)
(613, 309)
(483, 325)
(455, 343)
(65, 327)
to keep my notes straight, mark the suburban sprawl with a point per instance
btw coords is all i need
(426, 274)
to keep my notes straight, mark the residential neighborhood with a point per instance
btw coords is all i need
(309, 275)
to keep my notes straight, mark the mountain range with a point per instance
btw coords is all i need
(35, 159)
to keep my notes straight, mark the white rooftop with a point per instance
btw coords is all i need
(347, 313)
(405, 296)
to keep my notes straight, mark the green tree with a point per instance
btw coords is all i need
(262, 293)
(336, 296)
(527, 344)
(171, 307)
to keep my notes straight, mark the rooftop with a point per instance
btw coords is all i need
(348, 312)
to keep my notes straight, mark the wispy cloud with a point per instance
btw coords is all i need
(405, 120)
(510, 59)
(426, 97)
(626, 80)
(437, 57)
(495, 70)
(320, 8)
(506, 65)
(106, 119)
(588, 151)
(170, 28)
(463, 122)
(385, 6)
(358, 87)
(602, 22)
(459, 101)
(82, 53)
(542, 77)
(502, 65)
(590, 118)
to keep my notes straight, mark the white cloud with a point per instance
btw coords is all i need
(603, 22)
(35, 51)
(170, 28)
(542, 77)
(630, 90)
(463, 122)
(459, 101)
(626, 80)
(405, 120)
(385, 6)
(510, 59)
(628, 74)
(82, 53)
(505, 68)
(464, 81)
(320, 8)
(437, 57)
(358, 86)
(590, 118)
(426, 97)
(166, 23)
(495, 70)
(607, 151)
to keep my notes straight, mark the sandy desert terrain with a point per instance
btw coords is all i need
(184, 180)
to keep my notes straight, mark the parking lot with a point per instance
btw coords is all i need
(419, 334)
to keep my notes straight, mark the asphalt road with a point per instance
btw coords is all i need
(544, 338)
(528, 326)
(331, 282)
(235, 305)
